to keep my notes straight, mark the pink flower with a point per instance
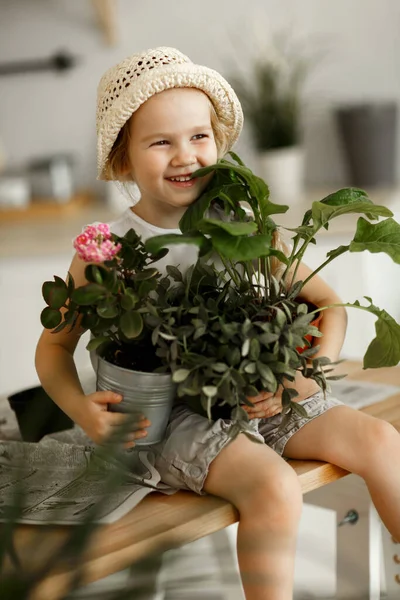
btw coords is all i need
(82, 239)
(91, 231)
(104, 228)
(95, 245)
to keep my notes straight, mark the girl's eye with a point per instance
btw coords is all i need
(200, 136)
(160, 143)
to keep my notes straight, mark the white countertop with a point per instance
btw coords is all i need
(49, 236)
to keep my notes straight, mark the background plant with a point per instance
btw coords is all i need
(270, 91)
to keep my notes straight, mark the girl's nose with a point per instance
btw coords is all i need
(183, 157)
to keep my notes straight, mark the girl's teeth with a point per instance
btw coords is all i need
(180, 178)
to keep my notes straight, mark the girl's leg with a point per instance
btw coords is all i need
(361, 444)
(266, 492)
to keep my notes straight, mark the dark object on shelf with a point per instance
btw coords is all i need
(37, 414)
(52, 177)
(62, 61)
(369, 137)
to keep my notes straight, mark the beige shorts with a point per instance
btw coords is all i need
(192, 441)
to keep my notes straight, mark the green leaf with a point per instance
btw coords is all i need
(156, 243)
(246, 347)
(378, 237)
(250, 368)
(384, 350)
(96, 273)
(180, 375)
(280, 318)
(323, 213)
(146, 274)
(209, 226)
(257, 187)
(131, 324)
(107, 312)
(50, 317)
(300, 410)
(255, 349)
(88, 294)
(233, 356)
(70, 284)
(89, 320)
(268, 338)
(219, 367)
(129, 299)
(251, 391)
(266, 373)
(237, 158)
(174, 273)
(337, 252)
(195, 212)
(239, 414)
(209, 390)
(244, 248)
(95, 343)
(346, 196)
(55, 293)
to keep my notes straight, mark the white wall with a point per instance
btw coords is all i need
(43, 113)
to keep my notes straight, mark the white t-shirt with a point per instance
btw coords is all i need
(179, 255)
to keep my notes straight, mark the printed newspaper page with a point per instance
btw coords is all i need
(59, 487)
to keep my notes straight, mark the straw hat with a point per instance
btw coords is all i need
(126, 86)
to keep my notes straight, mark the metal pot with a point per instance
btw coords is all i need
(149, 394)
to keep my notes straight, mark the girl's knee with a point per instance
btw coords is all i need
(381, 442)
(275, 491)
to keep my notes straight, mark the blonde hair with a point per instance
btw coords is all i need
(118, 159)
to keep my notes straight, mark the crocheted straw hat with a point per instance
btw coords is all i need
(126, 86)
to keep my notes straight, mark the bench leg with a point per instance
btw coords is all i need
(359, 544)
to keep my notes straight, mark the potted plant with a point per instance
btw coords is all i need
(232, 325)
(270, 93)
(238, 329)
(112, 305)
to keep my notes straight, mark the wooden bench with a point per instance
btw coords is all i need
(162, 522)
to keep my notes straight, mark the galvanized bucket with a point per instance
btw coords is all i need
(149, 394)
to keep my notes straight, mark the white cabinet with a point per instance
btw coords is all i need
(352, 276)
(20, 305)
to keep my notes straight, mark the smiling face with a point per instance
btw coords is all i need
(171, 136)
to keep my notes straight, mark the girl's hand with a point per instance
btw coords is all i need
(98, 423)
(267, 404)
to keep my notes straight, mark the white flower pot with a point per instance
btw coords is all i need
(283, 171)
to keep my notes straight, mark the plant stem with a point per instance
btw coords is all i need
(343, 250)
(229, 270)
(337, 305)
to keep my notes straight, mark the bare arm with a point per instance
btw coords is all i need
(55, 363)
(334, 320)
(57, 372)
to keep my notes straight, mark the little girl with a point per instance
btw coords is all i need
(160, 118)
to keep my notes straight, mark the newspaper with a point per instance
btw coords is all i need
(61, 482)
(358, 394)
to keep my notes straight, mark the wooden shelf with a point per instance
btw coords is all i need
(47, 209)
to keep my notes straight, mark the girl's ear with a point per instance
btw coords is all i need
(126, 173)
